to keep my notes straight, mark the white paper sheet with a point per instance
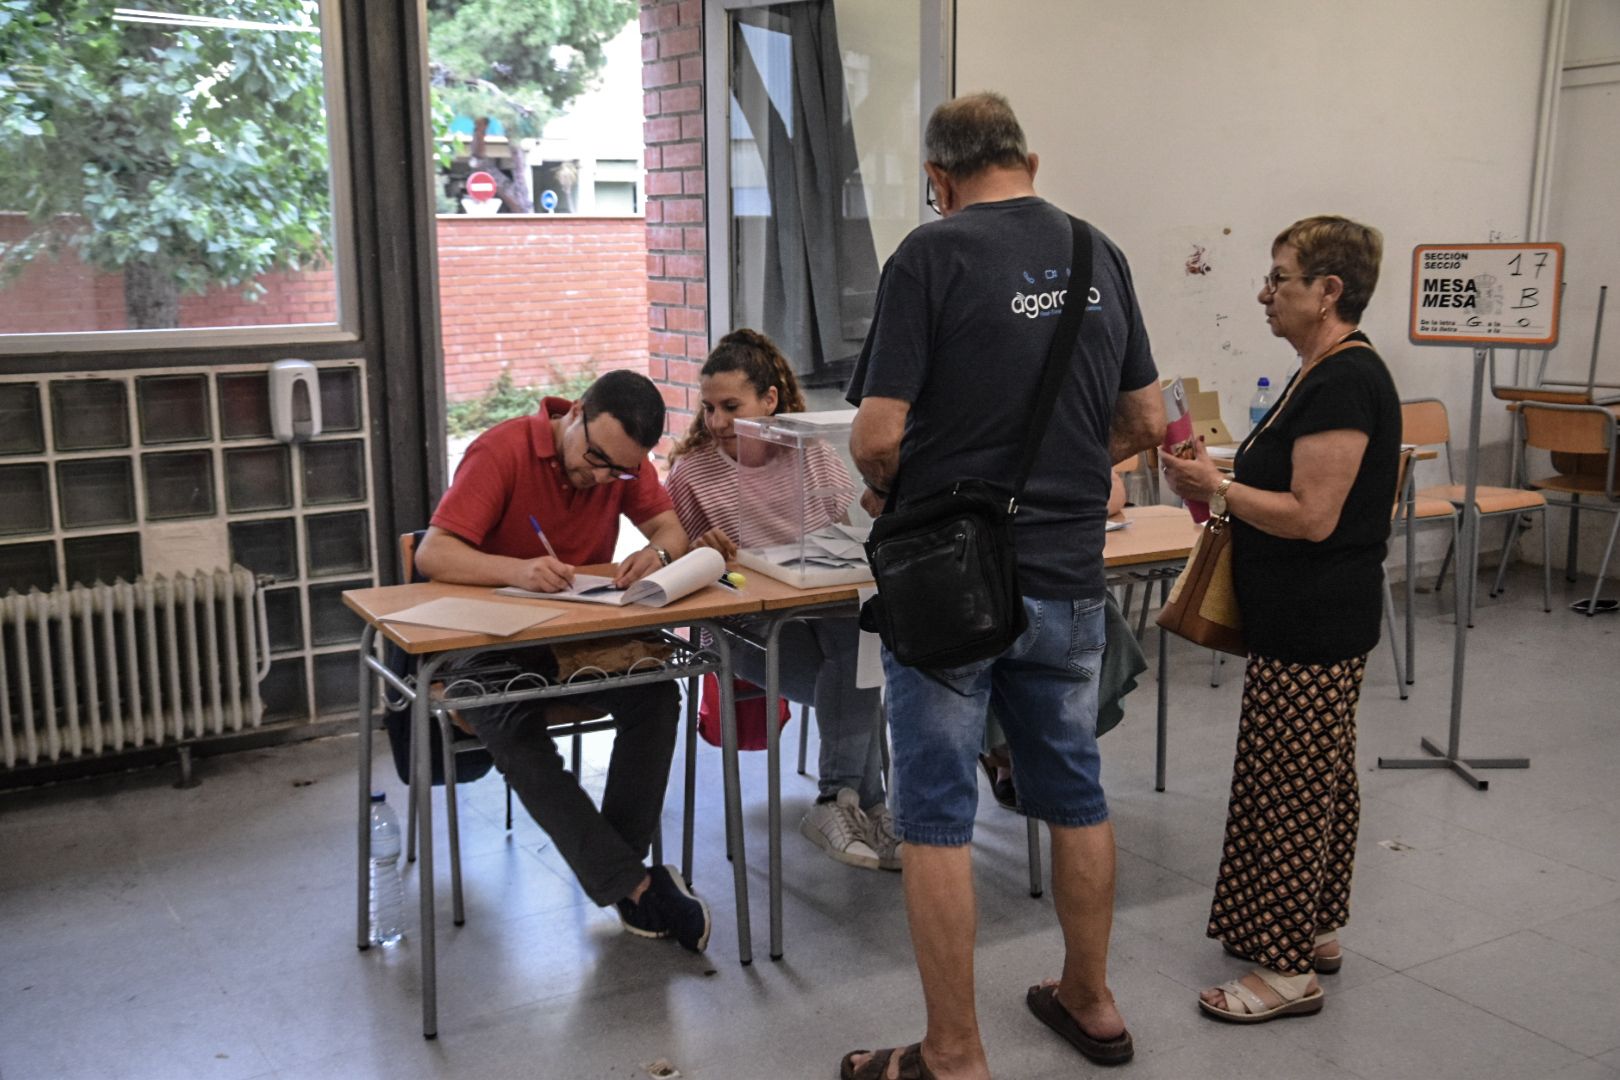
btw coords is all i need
(868, 655)
(473, 616)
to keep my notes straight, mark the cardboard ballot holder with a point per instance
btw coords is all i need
(799, 517)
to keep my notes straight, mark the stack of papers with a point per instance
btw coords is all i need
(833, 545)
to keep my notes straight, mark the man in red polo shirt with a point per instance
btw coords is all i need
(574, 467)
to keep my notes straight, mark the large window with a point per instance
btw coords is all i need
(166, 173)
(817, 150)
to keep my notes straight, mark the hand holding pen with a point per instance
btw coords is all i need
(547, 573)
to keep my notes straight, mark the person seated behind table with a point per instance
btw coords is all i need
(997, 759)
(575, 467)
(747, 376)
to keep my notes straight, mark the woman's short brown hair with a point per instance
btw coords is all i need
(1328, 244)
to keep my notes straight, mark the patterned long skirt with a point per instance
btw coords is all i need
(1291, 824)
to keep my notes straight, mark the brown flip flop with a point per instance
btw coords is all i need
(912, 1065)
(1043, 1002)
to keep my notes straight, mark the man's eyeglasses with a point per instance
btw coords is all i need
(1274, 279)
(932, 199)
(598, 460)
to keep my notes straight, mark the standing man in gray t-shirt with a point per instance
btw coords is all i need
(966, 310)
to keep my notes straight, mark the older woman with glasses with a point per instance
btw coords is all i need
(1309, 501)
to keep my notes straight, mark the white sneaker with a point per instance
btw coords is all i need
(840, 829)
(880, 834)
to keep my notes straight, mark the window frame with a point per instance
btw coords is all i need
(345, 253)
(936, 77)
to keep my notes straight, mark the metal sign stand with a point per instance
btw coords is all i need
(1467, 556)
(1482, 295)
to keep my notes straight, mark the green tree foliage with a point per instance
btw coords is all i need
(182, 155)
(519, 61)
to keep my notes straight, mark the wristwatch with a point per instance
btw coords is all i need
(663, 556)
(1217, 501)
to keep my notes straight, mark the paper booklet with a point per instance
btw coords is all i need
(474, 616)
(1179, 438)
(686, 575)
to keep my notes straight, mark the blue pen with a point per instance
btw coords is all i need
(541, 533)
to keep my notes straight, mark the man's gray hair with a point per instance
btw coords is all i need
(973, 132)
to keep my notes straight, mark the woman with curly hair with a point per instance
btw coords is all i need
(747, 376)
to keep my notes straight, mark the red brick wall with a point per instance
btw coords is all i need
(531, 294)
(677, 263)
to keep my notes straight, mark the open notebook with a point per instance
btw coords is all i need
(686, 575)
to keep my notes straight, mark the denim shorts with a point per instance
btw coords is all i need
(1045, 691)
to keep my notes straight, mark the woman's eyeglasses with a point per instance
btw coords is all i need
(1274, 279)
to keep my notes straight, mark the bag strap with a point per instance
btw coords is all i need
(1063, 343)
(1064, 339)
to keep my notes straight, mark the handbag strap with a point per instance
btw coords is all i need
(1294, 383)
(1063, 343)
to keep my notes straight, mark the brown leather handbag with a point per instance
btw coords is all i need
(1203, 606)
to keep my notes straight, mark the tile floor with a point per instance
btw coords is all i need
(150, 932)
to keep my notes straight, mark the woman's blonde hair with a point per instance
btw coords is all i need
(1329, 244)
(761, 363)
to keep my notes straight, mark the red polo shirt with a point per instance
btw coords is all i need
(514, 469)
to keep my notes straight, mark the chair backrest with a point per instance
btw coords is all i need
(1424, 423)
(408, 542)
(1569, 429)
(1402, 472)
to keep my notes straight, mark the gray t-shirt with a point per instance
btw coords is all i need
(966, 310)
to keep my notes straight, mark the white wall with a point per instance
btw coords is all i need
(1171, 124)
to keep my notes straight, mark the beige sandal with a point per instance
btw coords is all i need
(1325, 965)
(1242, 1005)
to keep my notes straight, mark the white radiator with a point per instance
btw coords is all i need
(95, 670)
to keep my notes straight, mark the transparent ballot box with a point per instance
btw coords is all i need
(799, 518)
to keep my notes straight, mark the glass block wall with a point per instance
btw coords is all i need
(89, 466)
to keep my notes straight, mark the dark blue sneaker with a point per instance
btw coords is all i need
(685, 914)
(646, 918)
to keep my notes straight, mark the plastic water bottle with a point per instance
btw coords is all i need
(1260, 404)
(387, 892)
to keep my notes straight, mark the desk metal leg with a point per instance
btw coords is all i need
(362, 913)
(773, 779)
(688, 807)
(733, 794)
(1035, 876)
(1164, 691)
(422, 781)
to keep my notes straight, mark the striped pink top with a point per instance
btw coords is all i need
(704, 487)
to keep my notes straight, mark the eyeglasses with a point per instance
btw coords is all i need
(932, 199)
(598, 460)
(1272, 280)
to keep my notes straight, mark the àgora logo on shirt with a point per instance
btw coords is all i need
(1033, 305)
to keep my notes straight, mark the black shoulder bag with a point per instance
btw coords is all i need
(945, 565)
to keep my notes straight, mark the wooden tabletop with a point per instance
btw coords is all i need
(710, 602)
(1155, 534)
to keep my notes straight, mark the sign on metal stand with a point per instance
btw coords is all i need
(1482, 295)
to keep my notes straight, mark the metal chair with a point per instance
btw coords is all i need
(1585, 452)
(1424, 424)
(456, 740)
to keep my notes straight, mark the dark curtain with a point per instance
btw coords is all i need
(821, 267)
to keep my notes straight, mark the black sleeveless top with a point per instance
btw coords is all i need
(1309, 602)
